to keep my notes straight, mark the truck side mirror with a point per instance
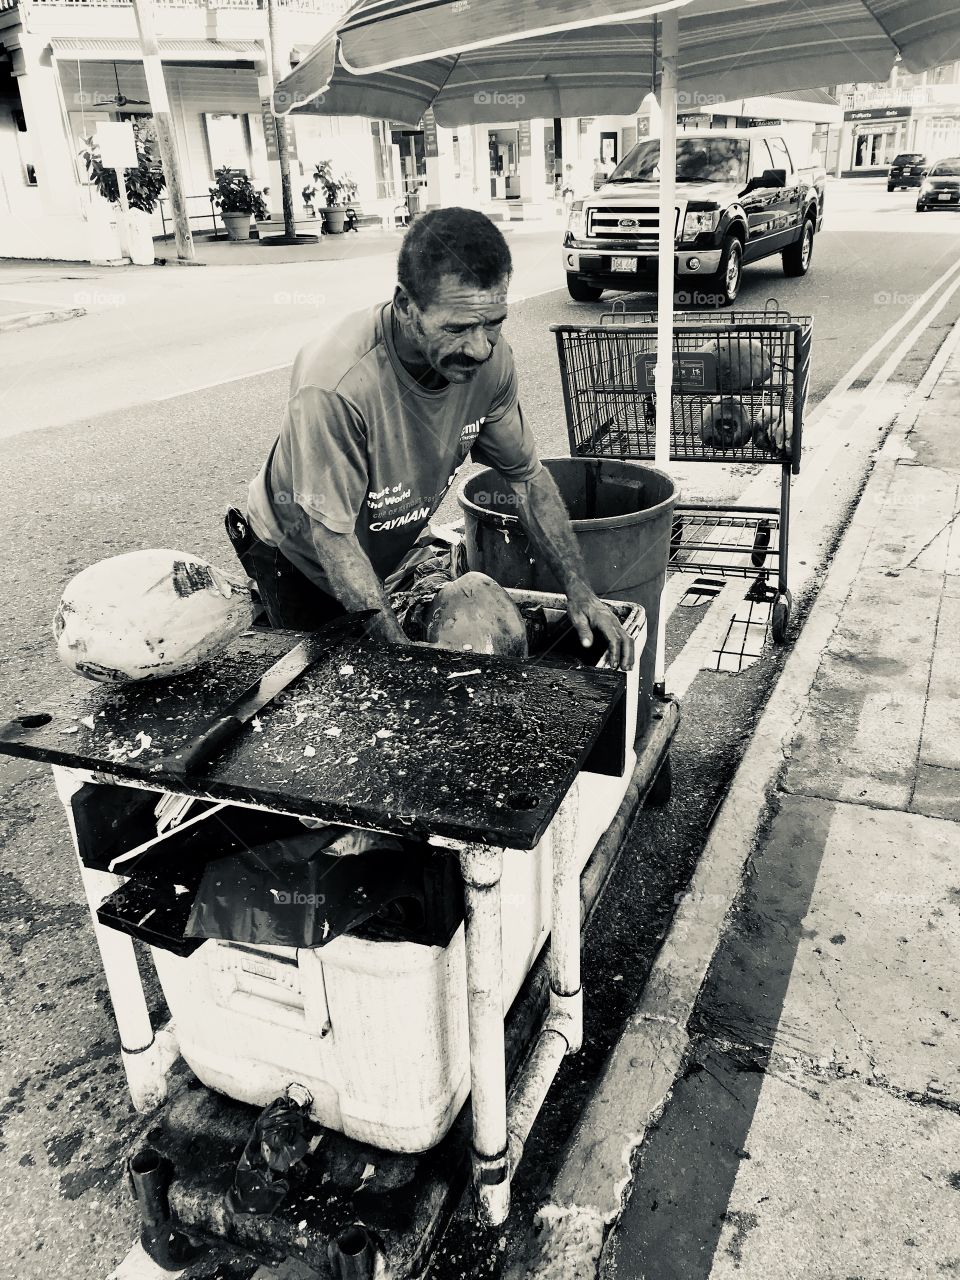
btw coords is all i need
(773, 178)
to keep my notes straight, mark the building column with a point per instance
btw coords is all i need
(844, 152)
(533, 185)
(441, 185)
(50, 143)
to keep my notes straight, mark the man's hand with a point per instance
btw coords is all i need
(589, 614)
(386, 627)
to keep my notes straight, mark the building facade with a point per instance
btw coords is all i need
(68, 65)
(911, 113)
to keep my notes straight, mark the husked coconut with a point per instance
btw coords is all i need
(148, 614)
(475, 613)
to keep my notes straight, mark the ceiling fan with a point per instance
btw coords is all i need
(118, 99)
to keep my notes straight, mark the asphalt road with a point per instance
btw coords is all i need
(82, 484)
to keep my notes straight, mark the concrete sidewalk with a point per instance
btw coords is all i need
(798, 1115)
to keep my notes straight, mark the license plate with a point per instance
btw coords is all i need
(945, 195)
(623, 264)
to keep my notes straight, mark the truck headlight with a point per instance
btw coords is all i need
(577, 220)
(699, 220)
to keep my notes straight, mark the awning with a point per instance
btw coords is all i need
(120, 49)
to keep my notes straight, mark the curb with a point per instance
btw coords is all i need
(31, 319)
(596, 1169)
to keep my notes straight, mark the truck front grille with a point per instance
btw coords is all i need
(639, 224)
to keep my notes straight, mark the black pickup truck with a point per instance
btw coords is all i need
(740, 197)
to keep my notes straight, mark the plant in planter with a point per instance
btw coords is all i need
(308, 195)
(336, 193)
(143, 186)
(238, 201)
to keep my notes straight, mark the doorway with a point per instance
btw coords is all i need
(504, 147)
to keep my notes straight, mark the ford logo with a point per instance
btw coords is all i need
(627, 222)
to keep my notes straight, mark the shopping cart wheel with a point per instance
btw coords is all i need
(661, 789)
(761, 543)
(780, 617)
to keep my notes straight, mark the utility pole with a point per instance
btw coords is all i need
(160, 106)
(283, 148)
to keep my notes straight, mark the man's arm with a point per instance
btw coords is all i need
(545, 521)
(354, 582)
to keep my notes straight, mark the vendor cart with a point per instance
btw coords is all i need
(519, 778)
(739, 387)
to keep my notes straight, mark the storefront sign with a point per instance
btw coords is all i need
(585, 123)
(270, 131)
(430, 147)
(878, 113)
(270, 134)
(523, 137)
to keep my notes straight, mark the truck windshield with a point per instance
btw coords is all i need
(699, 159)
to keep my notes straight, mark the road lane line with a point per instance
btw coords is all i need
(880, 345)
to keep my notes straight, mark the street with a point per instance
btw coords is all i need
(136, 424)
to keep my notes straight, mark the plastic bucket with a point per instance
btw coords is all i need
(622, 513)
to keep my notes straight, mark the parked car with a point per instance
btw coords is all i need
(940, 188)
(906, 170)
(740, 198)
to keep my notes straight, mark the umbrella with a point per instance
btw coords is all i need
(489, 61)
(470, 61)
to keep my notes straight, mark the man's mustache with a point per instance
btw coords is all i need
(459, 362)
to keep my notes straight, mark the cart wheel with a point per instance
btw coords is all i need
(662, 787)
(780, 618)
(761, 543)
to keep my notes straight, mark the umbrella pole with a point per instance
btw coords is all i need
(663, 378)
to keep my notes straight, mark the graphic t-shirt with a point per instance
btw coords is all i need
(364, 448)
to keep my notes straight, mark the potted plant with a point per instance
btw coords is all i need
(143, 185)
(238, 201)
(308, 195)
(336, 194)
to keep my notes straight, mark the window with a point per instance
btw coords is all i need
(781, 156)
(227, 141)
(700, 158)
(759, 158)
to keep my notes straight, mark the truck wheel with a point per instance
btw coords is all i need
(725, 285)
(797, 259)
(890, 188)
(581, 291)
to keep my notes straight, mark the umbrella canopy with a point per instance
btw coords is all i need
(503, 60)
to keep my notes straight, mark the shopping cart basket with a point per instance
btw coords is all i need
(739, 386)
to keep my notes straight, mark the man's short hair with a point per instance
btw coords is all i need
(459, 242)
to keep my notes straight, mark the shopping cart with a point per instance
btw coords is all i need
(739, 386)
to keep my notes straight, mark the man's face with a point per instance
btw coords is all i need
(458, 329)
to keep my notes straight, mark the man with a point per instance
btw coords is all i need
(382, 413)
